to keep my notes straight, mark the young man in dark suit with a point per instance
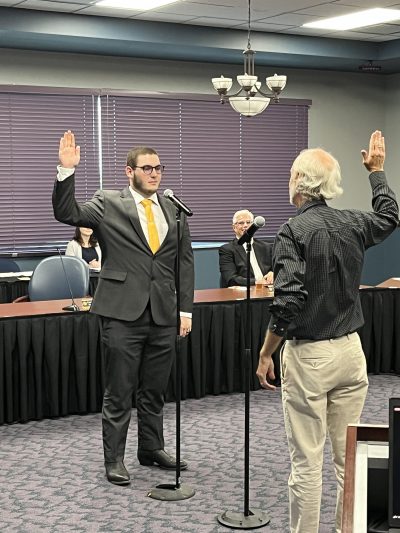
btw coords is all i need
(232, 256)
(135, 297)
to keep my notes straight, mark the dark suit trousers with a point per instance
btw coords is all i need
(139, 357)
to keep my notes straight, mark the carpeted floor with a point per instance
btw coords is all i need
(52, 476)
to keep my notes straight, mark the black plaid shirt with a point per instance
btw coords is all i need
(318, 259)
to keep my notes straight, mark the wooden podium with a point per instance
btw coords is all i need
(366, 480)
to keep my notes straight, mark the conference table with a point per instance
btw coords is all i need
(51, 361)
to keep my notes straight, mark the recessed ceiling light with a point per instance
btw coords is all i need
(369, 17)
(142, 5)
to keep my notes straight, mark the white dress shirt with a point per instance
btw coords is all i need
(159, 217)
(253, 262)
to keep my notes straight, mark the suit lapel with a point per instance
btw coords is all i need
(240, 249)
(243, 255)
(130, 207)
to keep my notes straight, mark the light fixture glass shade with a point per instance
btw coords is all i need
(222, 83)
(276, 83)
(249, 106)
(254, 89)
(247, 81)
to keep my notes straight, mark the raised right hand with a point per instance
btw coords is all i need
(69, 154)
(374, 159)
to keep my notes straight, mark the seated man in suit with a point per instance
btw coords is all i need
(232, 256)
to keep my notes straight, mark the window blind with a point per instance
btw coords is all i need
(216, 160)
(30, 128)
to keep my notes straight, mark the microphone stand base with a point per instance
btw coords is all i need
(72, 307)
(236, 520)
(171, 493)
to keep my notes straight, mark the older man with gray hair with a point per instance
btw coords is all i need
(318, 260)
(232, 256)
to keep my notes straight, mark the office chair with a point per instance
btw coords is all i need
(8, 265)
(49, 281)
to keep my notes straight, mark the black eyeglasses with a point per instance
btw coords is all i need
(148, 169)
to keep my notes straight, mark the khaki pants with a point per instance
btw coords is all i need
(324, 385)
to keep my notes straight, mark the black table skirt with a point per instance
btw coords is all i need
(53, 366)
(13, 288)
(380, 335)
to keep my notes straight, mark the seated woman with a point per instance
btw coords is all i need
(85, 246)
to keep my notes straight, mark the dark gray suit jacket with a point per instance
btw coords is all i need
(131, 275)
(232, 262)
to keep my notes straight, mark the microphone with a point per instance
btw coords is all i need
(258, 223)
(178, 203)
(72, 307)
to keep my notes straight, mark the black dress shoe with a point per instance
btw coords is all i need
(160, 458)
(117, 473)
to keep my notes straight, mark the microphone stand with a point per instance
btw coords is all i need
(249, 519)
(72, 307)
(179, 491)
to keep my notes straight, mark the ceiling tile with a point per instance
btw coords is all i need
(108, 12)
(208, 21)
(9, 3)
(43, 5)
(263, 26)
(212, 3)
(163, 17)
(366, 4)
(291, 19)
(328, 10)
(311, 32)
(382, 29)
(206, 10)
(271, 9)
(380, 38)
(353, 35)
(81, 2)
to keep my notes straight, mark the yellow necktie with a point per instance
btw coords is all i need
(154, 241)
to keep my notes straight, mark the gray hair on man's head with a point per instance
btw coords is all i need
(242, 212)
(319, 174)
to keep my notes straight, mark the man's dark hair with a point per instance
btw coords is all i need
(131, 158)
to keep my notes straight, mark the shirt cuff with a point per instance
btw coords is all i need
(187, 315)
(64, 173)
(278, 326)
(377, 178)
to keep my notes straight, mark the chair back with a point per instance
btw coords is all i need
(50, 282)
(8, 265)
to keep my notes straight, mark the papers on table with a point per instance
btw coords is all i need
(19, 275)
